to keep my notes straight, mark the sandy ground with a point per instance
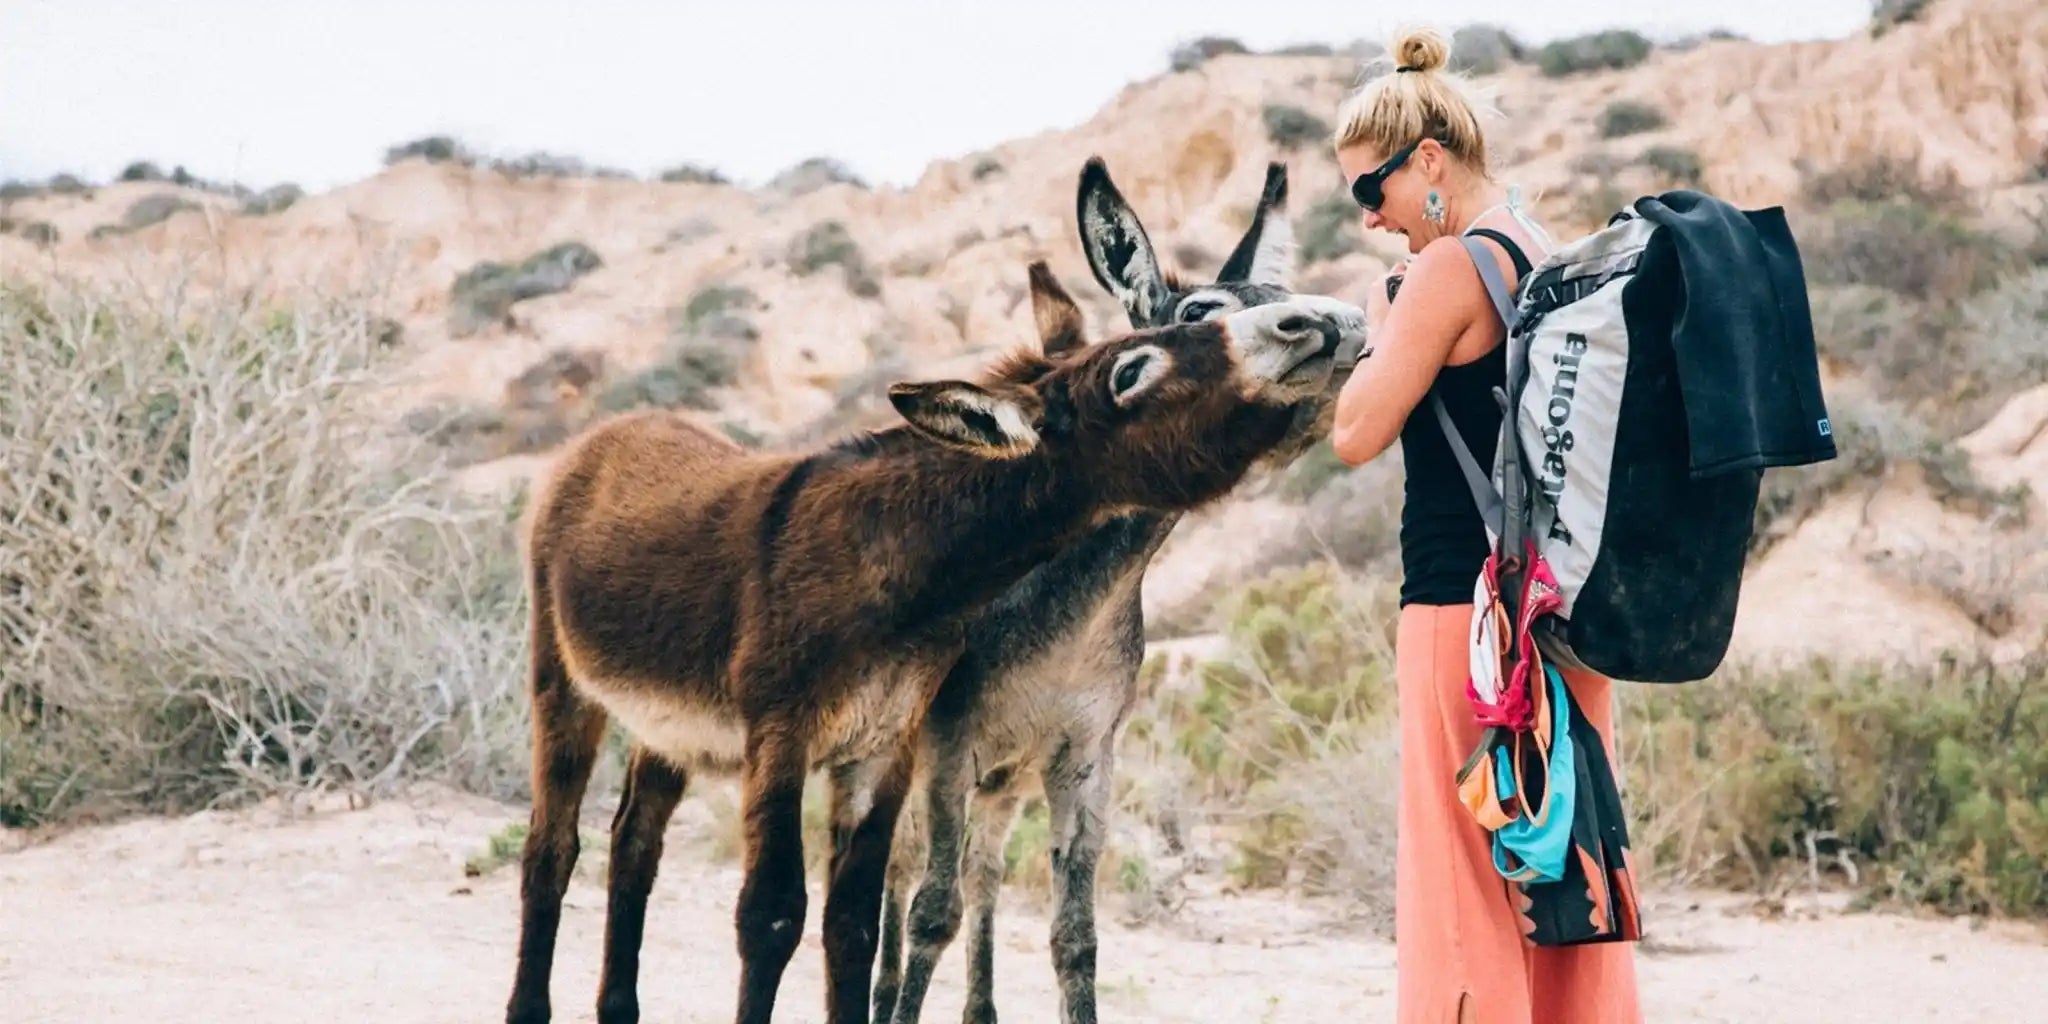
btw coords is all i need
(366, 915)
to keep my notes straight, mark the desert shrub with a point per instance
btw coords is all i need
(1872, 437)
(39, 232)
(1598, 200)
(813, 174)
(1287, 743)
(708, 335)
(694, 174)
(1951, 366)
(1675, 164)
(1693, 41)
(683, 378)
(485, 293)
(1887, 14)
(1920, 249)
(2006, 329)
(1197, 52)
(1601, 51)
(67, 185)
(542, 164)
(275, 199)
(209, 589)
(1598, 163)
(1920, 785)
(155, 209)
(543, 404)
(1328, 229)
(827, 243)
(1305, 50)
(985, 168)
(1883, 178)
(1290, 127)
(141, 170)
(1485, 49)
(434, 149)
(1628, 117)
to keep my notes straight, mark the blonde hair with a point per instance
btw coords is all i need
(1415, 99)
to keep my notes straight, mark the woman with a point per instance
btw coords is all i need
(1409, 141)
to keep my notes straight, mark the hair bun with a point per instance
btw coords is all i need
(1422, 49)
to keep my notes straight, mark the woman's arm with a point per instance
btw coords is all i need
(1438, 303)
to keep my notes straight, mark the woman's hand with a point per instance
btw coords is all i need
(1411, 339)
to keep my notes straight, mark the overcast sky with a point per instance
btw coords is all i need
(313, 92)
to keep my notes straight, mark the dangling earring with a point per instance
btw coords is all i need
(1433, 208)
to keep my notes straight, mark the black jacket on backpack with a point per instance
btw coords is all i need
(1743, 339)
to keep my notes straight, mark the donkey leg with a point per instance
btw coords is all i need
(1077, 789)
(653, 787)
(936, 910)
(854, 897)
(567, 731)
(770, 914)
(994, 816)
(889, 966)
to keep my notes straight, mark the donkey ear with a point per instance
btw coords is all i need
(1118, 252)
(1265, 255)
(1058, 318)
(957, 413)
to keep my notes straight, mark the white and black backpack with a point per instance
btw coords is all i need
(1592, 466)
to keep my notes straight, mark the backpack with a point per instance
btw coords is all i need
(1591, 505)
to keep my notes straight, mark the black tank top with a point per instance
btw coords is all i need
(1443, 542)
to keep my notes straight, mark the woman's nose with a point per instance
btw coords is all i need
(1372, 219)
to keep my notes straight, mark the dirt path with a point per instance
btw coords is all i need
(366, 915)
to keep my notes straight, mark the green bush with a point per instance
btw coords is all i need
(1920, 785)
(708, 335)
(1291, 128)
(1328, 229)
(1287, 742)
(828, 243)
(1915, 248)
(1193, 54)
(155, 209)
(542, 164)
(1485, 49)
(1888, 14)
(694, 174)
(1612, 50)
(435, 149)
(1628, 117)
(141, 170)
(1883, 178)
(1872, 436)
(1675, 164)
(813, 174)
(484, 294)
(275, 199)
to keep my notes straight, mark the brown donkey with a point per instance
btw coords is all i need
(771, 614)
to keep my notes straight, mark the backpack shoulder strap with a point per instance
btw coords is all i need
(1492, 504)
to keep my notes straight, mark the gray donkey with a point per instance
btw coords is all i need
(1049, 676)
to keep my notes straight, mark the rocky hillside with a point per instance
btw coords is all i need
(526, 298)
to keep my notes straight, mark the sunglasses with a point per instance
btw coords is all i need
(1366, 188)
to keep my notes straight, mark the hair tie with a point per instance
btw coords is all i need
(1406, 68)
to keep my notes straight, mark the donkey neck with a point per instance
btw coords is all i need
(943, 530)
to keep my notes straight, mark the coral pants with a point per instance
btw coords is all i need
(1459, 936)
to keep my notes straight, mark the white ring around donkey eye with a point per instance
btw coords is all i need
(1135, 371)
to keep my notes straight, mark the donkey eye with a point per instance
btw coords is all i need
(1128, 375)
(1194, 312)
